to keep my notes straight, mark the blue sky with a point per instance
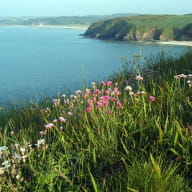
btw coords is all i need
(88, 7)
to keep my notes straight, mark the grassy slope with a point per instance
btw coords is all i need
(136, 145)
(168, 25)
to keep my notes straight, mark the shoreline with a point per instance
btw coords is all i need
(181, 43)
(81, 27)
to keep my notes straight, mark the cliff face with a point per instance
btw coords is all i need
(145, 28)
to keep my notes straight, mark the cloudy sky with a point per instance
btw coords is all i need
(89, 7)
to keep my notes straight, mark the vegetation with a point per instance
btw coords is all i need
(62, 20)
(132, 133)
(143, 27)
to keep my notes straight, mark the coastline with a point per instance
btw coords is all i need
(181, 43)
(81, 27)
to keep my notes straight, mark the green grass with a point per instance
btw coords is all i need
(142, 27)
(121, 142)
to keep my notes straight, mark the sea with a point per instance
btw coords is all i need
(44, 61)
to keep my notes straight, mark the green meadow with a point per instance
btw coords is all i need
(131, 133)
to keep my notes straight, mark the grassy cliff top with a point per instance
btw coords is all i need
(169, 26)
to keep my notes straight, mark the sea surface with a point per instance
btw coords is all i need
(46, 61)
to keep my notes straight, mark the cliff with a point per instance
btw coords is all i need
(143, 28)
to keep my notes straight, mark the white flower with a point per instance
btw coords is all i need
(128, 88)
(138, 77)
(6, 164)
(3, 148)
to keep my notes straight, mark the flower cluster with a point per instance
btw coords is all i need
(13, 158)
(183, 76)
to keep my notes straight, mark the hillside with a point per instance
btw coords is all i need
(143, 28)
(61, 20)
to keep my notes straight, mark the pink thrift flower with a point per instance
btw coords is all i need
(108, 112)
(69, 113)
(102, 83)
(107, 92)
(77, 92)
(113, 99)
(42, 133)
(88, 109)
(109, 83)
(151, 98)
(55, 121)
(61, 128)
(119, 104)
(62, 119)
(49, 126)
(107, 97)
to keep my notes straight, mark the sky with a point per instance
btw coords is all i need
(92, 7)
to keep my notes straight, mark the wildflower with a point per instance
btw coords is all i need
(11, 133)
(77, 92)
(131, 93)
(107, 92)
(3, 148)
(22, 149)
(61, 128)
(40, 142)
(142, 92)
(108, 112)
(63, 95)
(119, 104)
(6, 164)
(88, 109)
(2, 170)
(107, 97)
(139, 78)
(42, 133)
(69, 113)
(49, 126)
(113, 99)
(151, 98)
(102, 83)
(189, 76)
(177, 77)
(183, 76)
(62, 119)
(128, 88)
(56, 102)
(116, 93)
(109, 83)
(55, 121)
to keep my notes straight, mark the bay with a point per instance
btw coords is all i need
(45, 61)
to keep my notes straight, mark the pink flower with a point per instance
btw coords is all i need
(151, 98)
(119, 104)
(109, 83)
(102, 83)
(55, 121)
(108, 112)
(49, 126)
(113, 99)
(62, 119)
(107, 92)
(42, 133)
(88, 109)
(69, 113)
(107, 97)
(77, 92)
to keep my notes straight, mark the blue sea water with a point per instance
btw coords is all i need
(37, 61)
